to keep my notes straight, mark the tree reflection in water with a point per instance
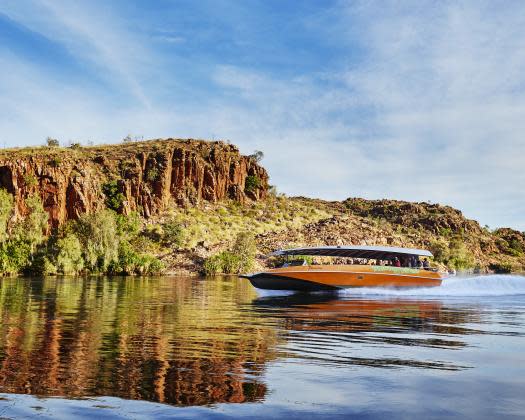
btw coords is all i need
(170, 340)
(193, 341)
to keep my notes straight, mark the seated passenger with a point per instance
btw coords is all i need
(426, 264)
(397, 263)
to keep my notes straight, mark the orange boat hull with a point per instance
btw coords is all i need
(332, 277)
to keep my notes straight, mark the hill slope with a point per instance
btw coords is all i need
(194, 199)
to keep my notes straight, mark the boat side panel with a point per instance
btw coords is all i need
(271, 282)
(360, 276)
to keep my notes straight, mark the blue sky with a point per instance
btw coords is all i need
(413, 100)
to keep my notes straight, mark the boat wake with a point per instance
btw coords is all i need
(490, 285)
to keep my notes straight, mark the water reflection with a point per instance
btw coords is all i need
(193, 341)
(329, 329)
(171, 340)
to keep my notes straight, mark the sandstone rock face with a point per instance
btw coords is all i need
(151, 175)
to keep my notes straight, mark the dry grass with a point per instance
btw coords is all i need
(221, 223)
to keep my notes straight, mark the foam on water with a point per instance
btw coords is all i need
(490, 285)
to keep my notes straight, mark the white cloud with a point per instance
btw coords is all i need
(431, 109)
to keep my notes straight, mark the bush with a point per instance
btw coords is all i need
(454, 254)
(212, 265)
(114, 198)
(502, 267)
(33, 228)
(100, 240)
(251, 183)
(152, 174)
(14, 256)
(132, 262)
(55, 162)
(6, 211)
(30, 180)
(239, 259)
(69, 259)
(245, 250)
(173, 233)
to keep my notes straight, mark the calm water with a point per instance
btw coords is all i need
(159, 347)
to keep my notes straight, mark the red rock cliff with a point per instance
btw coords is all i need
(151, 175)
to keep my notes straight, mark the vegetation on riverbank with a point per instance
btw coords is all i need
(103, 242)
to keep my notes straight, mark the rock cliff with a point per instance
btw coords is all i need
(146, 176)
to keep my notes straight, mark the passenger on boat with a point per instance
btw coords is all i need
(426, 264)
(419, 263)
(397, 263)
(413, 261)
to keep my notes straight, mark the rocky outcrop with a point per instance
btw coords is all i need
(148, 176)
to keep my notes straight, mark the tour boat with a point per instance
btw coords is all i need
(292, 276)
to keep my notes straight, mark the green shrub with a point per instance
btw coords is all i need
(239, 259)
(55, 162)
(152, 174)
(6, 211)
(14, 256)
(173, 233)
(251, 183)
(245, 250)
(212, 265)
(128, 226)
(100, 240)
(504, 267)
(454, 254)
(132, 262)
(32, 229)
(516, 248)
(114, 197)
(69, 259)
(30, 180)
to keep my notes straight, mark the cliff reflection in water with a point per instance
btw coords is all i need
(193, 341)
(361, 331)
(179, 342)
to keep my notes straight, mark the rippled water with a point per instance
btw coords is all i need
(215, 347)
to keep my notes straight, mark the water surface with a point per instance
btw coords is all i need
(213, 347)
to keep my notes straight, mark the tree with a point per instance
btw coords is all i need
(69, 258)
(51, 142)
(257, 156)
(6, 210)
(33, 228)
(114, 197)
(100, 240)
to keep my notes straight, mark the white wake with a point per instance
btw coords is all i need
(490, 285)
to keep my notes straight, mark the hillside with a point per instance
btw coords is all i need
(281, 222)
(180, 205)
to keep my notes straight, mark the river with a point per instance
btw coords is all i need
(213, 347)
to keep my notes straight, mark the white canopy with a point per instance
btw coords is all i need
(369, 252)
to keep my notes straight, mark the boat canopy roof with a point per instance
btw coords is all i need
(368, 252)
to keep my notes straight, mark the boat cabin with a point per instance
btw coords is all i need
(383, 255)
